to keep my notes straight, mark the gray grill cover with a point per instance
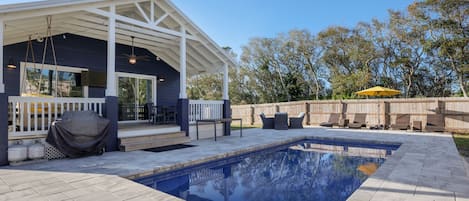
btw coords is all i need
(80, 133)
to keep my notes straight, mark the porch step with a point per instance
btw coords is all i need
(152, 141)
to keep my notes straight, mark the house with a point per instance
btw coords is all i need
(111, 56)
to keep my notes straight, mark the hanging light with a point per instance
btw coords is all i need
(11, 63)
(132, 59)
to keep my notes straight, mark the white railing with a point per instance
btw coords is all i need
(33, 115)
(203, 109)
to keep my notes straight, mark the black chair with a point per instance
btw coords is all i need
(267, 123)
(150, 112)
(297, 122)
(170, 114)
(281, 121)
(159, 117)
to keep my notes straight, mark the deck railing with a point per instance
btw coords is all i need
(33, 115)
(205, 109)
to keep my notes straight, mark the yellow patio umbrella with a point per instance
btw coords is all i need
(378, 91)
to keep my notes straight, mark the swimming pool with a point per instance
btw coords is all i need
(305, 170)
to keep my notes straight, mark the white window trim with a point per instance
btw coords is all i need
(51, 67)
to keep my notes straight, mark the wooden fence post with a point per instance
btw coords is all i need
(252, 115)
(343, 109)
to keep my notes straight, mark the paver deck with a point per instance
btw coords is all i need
(426, 167)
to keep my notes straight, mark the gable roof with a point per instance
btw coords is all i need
(88, 18)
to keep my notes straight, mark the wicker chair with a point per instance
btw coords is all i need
(281, 121)
(297, 122)
(267, 123)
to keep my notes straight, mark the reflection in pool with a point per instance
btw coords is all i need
(308, 170)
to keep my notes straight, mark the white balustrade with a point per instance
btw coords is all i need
(205, 109)
(33, 115)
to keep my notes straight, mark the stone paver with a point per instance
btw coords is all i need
(426, 167)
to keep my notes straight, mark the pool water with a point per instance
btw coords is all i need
(307, 170)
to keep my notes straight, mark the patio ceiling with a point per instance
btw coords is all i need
(157, 26)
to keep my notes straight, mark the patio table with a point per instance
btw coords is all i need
(215, 121)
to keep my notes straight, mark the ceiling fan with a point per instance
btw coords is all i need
(132, 57)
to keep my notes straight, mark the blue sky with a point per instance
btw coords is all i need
(233, 23)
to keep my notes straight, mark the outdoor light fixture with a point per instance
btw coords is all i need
(11, 63)
(132, 60)
(161, 79)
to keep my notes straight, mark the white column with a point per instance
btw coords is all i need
(182, 63)
(111, 54)
(225, 82)
(2, 85)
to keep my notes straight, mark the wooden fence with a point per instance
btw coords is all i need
(455, 110)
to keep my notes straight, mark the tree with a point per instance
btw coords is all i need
(448, 26)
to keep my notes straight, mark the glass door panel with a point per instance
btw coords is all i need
(127, 98)
(145, 96)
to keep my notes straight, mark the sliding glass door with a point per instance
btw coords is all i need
(134, 92)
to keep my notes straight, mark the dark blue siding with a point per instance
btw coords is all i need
(78, 51)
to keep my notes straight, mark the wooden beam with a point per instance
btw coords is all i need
(142, 13)
(122, 37)
(152, 10)
(52, 8)
(138, 23)
(111, 54)
(160, 19)
(182, 64)
(163, 36)
(2, 84)
(161, 43)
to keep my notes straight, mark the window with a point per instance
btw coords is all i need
(42, 80)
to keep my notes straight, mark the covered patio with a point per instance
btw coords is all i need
(147, 46)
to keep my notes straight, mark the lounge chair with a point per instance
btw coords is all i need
(435, 123)
(281, 121)
(297, 122)
(267, 123)
(359, 121)
(402, 122)
(333, 120)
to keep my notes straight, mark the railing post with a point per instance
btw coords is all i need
(227, 114)
(3, 128)
(183, 114)
(308, 118)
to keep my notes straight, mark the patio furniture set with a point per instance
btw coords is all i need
(434, 123)
(160, 114)
(280, 121)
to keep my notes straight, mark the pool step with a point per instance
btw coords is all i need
(152, 141)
